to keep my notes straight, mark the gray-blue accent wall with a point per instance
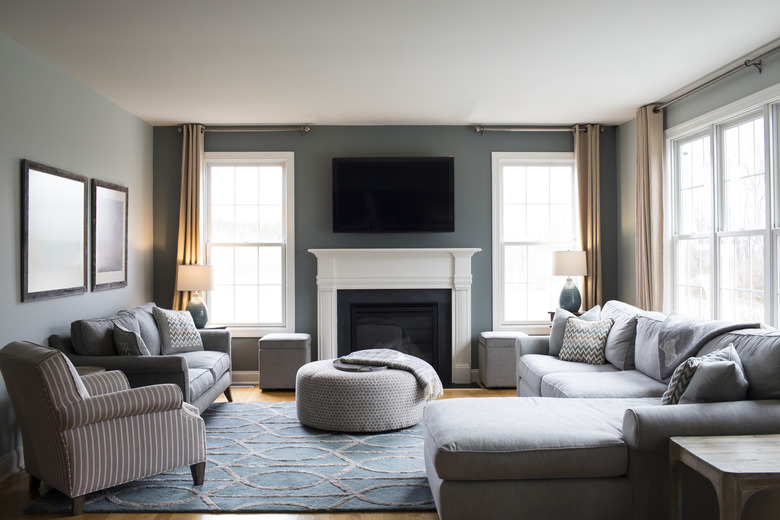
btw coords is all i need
(313, 220)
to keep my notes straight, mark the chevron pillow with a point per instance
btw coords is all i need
(177, 331)
(584, 341)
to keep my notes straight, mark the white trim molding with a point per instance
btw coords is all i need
(440, 268)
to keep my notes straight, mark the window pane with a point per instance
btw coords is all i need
(222, 224)
(221, 187)
(514, 223)
(514, 185)
(247, 185)
(270, 265)
(270, 224)
(742, 278)
(694, 186)
(247, 222)
(247, 308)
(270, 303)
(246, 266)
(744, 188)
(271, 185)
(693, 277)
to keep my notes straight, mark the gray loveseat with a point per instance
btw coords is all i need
(202, 375)
(591, 441)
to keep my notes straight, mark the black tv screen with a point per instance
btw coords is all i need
(393, 195)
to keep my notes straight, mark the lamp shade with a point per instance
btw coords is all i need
(569, 263)
(194, 278)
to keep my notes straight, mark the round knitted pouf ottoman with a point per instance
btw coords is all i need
(331, 399)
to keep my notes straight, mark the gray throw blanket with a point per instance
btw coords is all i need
(425, 374)
(681, 336)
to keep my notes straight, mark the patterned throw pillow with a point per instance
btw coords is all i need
(584, 341)
(177, 331)
(732, 377)
(129, 342)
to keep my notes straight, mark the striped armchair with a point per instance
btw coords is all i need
(84, 434)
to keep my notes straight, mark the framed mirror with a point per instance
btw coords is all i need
(54, 232)
(109, 235)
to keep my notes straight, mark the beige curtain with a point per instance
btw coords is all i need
(586, 160)
(189, 246)
(649, 208)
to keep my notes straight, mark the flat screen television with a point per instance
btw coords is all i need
(393, 195)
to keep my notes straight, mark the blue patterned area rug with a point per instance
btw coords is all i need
(262, 460)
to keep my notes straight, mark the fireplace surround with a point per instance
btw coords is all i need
(425, 268)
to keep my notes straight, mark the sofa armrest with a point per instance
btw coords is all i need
(532, 345)
(649, 428)
(216, 339)
(126, 403)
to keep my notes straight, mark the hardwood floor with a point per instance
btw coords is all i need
(14, 496)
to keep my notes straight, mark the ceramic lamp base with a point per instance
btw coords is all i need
(200, 313)
(570, 298)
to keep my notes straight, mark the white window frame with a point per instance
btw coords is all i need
(765, 103)
(287, 161)
(498, 160)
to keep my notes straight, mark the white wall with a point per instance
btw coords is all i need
(48, 117)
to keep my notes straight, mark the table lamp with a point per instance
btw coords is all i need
(569, 263)
(196, 278)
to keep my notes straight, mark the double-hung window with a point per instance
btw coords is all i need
(249, 230)
(534, 214)
(723, 222)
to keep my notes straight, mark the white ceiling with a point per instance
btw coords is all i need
(349, 62)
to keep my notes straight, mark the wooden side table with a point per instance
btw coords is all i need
(738, 466)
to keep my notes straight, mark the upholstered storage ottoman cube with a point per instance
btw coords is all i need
(331, 399)
(497, 359)
(279, 356)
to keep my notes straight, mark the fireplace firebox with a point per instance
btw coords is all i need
(413, 321)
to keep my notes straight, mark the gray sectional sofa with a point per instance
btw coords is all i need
(591, 441)
(202, 375)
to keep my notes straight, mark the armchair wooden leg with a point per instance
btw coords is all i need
(78, 505)
(198, 472)
(228, 396)
(34, 485)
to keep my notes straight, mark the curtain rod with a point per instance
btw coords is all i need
(481, 129)
(755, 62)
(303, 129)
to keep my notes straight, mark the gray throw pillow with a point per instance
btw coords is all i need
(716, 377)
(129, 342)
(177, 331)
(584, 341)
(95, 337)
(622, 336)
(559, 326)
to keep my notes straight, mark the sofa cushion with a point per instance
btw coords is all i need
(622, 336)
(533, 367)
(759, 353)
(646, 350)
(584, 341)
(148, 325)
(559, 326)
(177, 331)
(621, 383)
(499, 438)
(129, 342)
(215, 362)
(200, 381)
(95, 337)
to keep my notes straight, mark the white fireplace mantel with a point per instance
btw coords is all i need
(434, 268)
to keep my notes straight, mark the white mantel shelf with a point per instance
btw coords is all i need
(424, 268)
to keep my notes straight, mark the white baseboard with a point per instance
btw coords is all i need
(246, 377)
(10, 464)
